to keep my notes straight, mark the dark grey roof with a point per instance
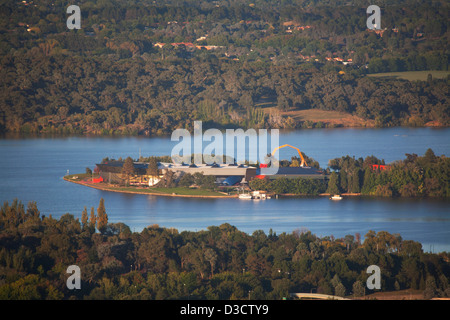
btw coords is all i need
(292, 171)
(116, 167)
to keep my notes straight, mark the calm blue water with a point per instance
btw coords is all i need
(32, 169)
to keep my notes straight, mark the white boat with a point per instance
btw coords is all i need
(245, 196)
(259, 195)
(336, 197)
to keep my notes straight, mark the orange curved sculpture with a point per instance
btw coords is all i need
(303, 164)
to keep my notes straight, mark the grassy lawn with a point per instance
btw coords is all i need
(317, 115)
(325, 116)
(182, 191)
(176, 191)
(412, 75)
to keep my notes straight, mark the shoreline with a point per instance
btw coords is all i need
(220, 195)
(115, 189)
(119, 134)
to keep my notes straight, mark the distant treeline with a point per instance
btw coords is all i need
(220, 262)
(80, 95)
(109, 78)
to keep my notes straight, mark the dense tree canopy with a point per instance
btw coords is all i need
(109, 77)
(415, 176)
(220, 262)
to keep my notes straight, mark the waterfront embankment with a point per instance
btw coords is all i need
(168, 192)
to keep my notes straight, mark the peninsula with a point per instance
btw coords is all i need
(415, 176)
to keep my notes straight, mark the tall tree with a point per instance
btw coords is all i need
(333, 183)
(102, 217)
(84, 218)
(429, 156)
(92, 220)
(152, 168)
(358, 289)
(128, 168)
(211, 256)
(355, 177)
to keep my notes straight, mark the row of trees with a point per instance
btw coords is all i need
(220, 262)
(414, 176)
(93, 222)
(299, 186)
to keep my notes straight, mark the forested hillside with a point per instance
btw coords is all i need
(149, 67)
(218, 263)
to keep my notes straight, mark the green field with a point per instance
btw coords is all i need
(177, 191)
(174, 191)
(412, 75)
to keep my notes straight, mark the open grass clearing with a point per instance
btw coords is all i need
(412, 75)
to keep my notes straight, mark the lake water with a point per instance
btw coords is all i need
(32, 170)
